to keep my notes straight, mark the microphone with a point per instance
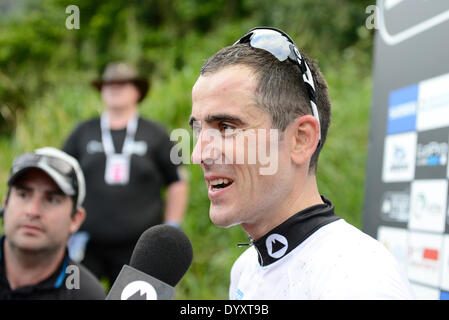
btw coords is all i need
(160, 259)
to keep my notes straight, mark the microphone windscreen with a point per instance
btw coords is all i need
(164, 252)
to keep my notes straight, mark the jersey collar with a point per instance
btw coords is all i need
(278, 242)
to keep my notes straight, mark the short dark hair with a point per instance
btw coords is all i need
(280, 90)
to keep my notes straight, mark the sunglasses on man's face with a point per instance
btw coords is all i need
(280, 45)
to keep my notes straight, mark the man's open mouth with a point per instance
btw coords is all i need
(220, 183)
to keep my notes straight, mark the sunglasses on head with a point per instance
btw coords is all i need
(59, 165)
(64, 168)
(280, 45)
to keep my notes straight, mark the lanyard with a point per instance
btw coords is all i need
(106, 137)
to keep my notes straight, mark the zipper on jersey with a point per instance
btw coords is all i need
(246, 244)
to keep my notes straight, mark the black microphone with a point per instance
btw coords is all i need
(160, 259)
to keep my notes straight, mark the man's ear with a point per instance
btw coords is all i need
(304, 135)
(77, 219)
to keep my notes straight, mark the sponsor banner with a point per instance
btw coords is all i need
(447, 166)
(407, 176)
(402, 110)
(431, 154)
(428, 205)
(445, 264)
(433, 103)
(399, 157)
(424, 258)
(395, 205)
(447, 214)
(395, 240)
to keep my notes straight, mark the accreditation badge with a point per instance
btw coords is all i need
(117, 169)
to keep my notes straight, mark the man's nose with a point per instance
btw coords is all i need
(34, 207)
(207, 149)
(196, 153)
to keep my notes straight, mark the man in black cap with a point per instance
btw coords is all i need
(41, 210)
(126, 162)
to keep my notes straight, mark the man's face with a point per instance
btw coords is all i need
(38, 215)
(239, 193)
(119, 95)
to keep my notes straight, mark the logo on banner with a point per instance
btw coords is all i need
(428, 205)
(402, 110)
(433, 103)
(391, 27)
(399, 157)
(424, 258)
(396, 205)
(431, 154)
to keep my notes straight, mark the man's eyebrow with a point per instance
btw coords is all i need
(48, 192)
(218, 117)
(22, 187)
(56, 192)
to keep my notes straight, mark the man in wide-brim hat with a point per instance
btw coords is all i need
(126, 163)
(122, 73)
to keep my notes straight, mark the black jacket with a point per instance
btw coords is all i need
(61, 285)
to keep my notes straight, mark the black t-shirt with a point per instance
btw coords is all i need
(57, 286)
(120, 213)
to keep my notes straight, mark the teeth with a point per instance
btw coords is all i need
(219, 181)
(216, 182)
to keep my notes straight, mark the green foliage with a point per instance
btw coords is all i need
(45, 71)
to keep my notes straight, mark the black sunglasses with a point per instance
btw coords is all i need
(280, 45)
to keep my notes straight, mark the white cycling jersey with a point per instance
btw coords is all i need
(316, 255)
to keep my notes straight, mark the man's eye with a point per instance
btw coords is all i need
(22, 194)
(227, 128)
(54, 199)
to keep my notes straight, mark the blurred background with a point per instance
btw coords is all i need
(45, 71)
